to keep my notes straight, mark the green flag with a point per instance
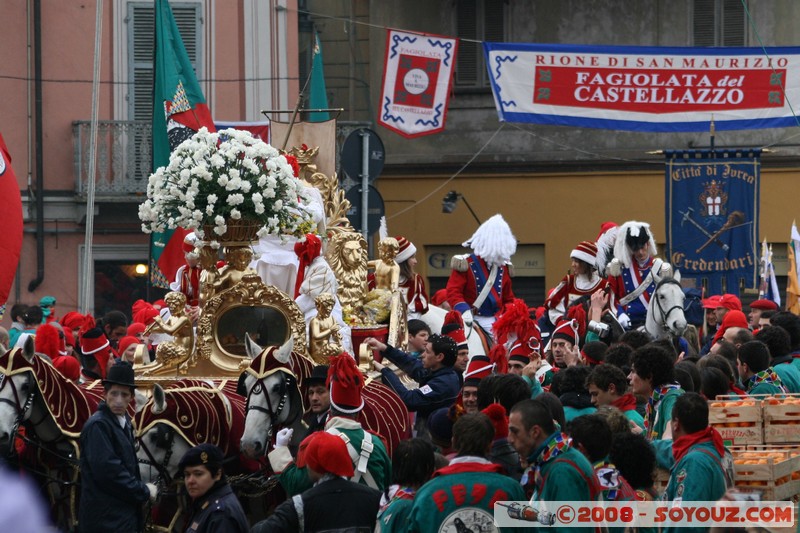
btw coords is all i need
(319, 96)
(179, 110)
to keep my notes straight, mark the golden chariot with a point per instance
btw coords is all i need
(268, 315)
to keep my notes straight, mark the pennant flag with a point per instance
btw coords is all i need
(11, 240)
(769, 283)
(417, 74)
(179, 110)
(793, 283)
(319, 96)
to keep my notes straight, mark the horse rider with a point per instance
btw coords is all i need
(371, 463)
(632, 272)
(480, 282)
(577, 286)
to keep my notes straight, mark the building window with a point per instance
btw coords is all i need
(719, 23)
(478, 20)
(141, 49)
(117, 277)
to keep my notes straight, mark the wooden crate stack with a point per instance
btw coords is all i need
(772, 471)
(782, 419)
(739, 421)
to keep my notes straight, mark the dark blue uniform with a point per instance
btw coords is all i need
(436, 389)
(112, 493)
(218, 511)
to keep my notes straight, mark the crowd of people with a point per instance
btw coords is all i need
(560, 408)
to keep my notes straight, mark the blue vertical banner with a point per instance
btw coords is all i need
(712, 199)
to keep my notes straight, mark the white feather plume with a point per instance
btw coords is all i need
(383, 230)
(493, 241)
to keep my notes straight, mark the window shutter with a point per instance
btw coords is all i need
(467, 28)
(703, 22)
(733, 23)
(141, 49)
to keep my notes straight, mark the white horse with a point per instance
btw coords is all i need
(434, 318)
(273, 393)
(665, 316)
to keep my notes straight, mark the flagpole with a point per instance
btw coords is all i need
(299, 103)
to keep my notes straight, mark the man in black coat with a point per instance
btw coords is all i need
(112, 493)
(319, 400)
(334, 503)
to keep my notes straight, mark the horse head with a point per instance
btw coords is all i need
(665, 313)
(159, 445)
(17, 388)
(273, 394)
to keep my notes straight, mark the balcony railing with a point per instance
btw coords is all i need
(124, 156)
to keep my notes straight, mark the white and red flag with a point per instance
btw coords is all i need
(11, 239)
(417, 74)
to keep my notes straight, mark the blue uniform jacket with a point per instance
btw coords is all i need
(436, 389)
(112, 493)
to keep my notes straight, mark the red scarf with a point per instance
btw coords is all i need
(737, 390)
(681, 445)
(306, 251)
(626, 402)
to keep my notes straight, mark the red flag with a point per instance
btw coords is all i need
(11, 209)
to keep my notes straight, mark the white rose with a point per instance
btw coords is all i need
(236, 214)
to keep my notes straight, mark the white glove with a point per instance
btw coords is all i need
(153, 491)
(624, 320)
(283, 437)
(467, 317)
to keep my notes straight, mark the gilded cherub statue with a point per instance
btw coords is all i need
(325, 339)
(237, 259)
(172, 354)
(378, 306)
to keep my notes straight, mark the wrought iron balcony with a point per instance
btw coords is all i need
(123, 158)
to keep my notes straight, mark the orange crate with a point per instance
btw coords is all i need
(772, 471)
(740, 422)
(782, 419)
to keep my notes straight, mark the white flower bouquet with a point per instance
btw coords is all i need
(222, 179)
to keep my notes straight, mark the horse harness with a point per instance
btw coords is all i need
(259, 387)
(22, 407)
(665, 314)
(165, 437)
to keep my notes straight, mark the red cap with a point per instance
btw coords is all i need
(327, 454)
(732, 319)
(604, 227)
(478, 367)
(345, 382)
(72, 320)
(585, 251)
(453, 327)
(136, 328)
(145, 315)
(567, 330)
(766, 305)
(68, 366)
(405, 250)
(522, 351)
(497, 414)
(125, 342)
(712, 302)
(729, 301)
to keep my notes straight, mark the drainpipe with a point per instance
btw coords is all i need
(37, 60)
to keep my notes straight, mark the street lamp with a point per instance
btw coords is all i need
(451, 199)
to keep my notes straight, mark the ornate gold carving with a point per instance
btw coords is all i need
(347, 256)
(172, 356)
(325, 339)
